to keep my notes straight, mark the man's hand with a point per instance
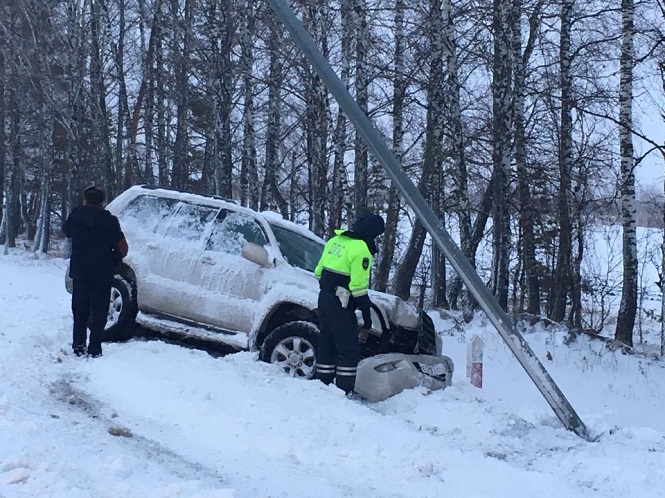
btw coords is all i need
(122, 247)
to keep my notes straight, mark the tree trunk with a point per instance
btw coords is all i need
(223, 103)
(438, 277)
(526, 211)
(10, 224)
(407, 267)
(3, 116)
(628, 306)
(249, 178)
(42, 234)
(662, 262)
(562, 276)
(270, 194)
(339, 184)
(432, 157)
(100, 116)
(460, 195)
(399, 91)
(316, 123)
(180, 170)
(360, 173)
(503, 20)
(150, 72)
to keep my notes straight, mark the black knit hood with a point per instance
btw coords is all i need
(367, 227)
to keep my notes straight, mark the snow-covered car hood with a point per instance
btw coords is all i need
(398, 311)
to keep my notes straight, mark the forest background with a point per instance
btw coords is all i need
(519, 121)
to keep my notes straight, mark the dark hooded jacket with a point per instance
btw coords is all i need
(95, 234)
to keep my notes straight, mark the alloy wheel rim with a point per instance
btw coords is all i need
(115, 308)
(295, 355)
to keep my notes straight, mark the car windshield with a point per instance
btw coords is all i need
(297, 249)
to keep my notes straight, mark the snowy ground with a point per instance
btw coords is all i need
(233, 427)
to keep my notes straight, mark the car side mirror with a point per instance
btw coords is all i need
(256, 254)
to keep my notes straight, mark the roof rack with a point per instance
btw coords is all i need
(172, 189)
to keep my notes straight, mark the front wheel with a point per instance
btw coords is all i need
(292, 347)
(120, 322)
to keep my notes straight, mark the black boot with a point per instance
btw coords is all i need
(79, 350)
(325, 373)
(346, 379)
(94, 352)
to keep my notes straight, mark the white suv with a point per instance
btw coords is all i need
(203, 268)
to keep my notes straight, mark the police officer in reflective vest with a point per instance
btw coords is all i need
(343, 273)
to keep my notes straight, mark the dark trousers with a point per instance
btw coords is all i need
(339, 351)
(90, 297)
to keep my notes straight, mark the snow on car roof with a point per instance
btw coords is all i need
(213, 200)
(181, 195)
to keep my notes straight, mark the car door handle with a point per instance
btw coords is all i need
(206, 260)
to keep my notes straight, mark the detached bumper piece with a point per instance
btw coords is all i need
(382, 376)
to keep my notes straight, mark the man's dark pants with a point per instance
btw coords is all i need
(339, 351)
(90, 296)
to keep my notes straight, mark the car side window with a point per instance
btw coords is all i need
(145, 212)
(231, 230)
(189, 222)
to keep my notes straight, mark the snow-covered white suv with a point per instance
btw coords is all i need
(204, 268)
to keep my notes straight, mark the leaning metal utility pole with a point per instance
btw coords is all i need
(375, 142)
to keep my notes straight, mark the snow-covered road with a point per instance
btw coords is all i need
(234, 427)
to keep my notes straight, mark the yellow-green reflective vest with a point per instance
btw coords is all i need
(349, 257)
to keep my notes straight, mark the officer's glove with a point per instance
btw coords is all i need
(367, 319)
(365, 306)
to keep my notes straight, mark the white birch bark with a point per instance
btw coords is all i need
(628, 306)
(502, 110)
(562, 278)
(387, 255)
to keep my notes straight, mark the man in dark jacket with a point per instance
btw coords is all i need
(97, 245)
(343, 272)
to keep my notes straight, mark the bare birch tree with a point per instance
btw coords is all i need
(339, 189)
(628, 306)
(527, 214)
(182, 46)
(433, 146)
(4, 14)
(221, 30)
(270, 193)
(317, 115)
(562, 275)
(249, 179)
(399, 93)
(360, 172)
(502, 114)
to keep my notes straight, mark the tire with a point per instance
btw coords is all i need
(292, 347)
(120, 323)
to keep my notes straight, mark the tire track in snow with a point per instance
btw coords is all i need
(176, 464)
